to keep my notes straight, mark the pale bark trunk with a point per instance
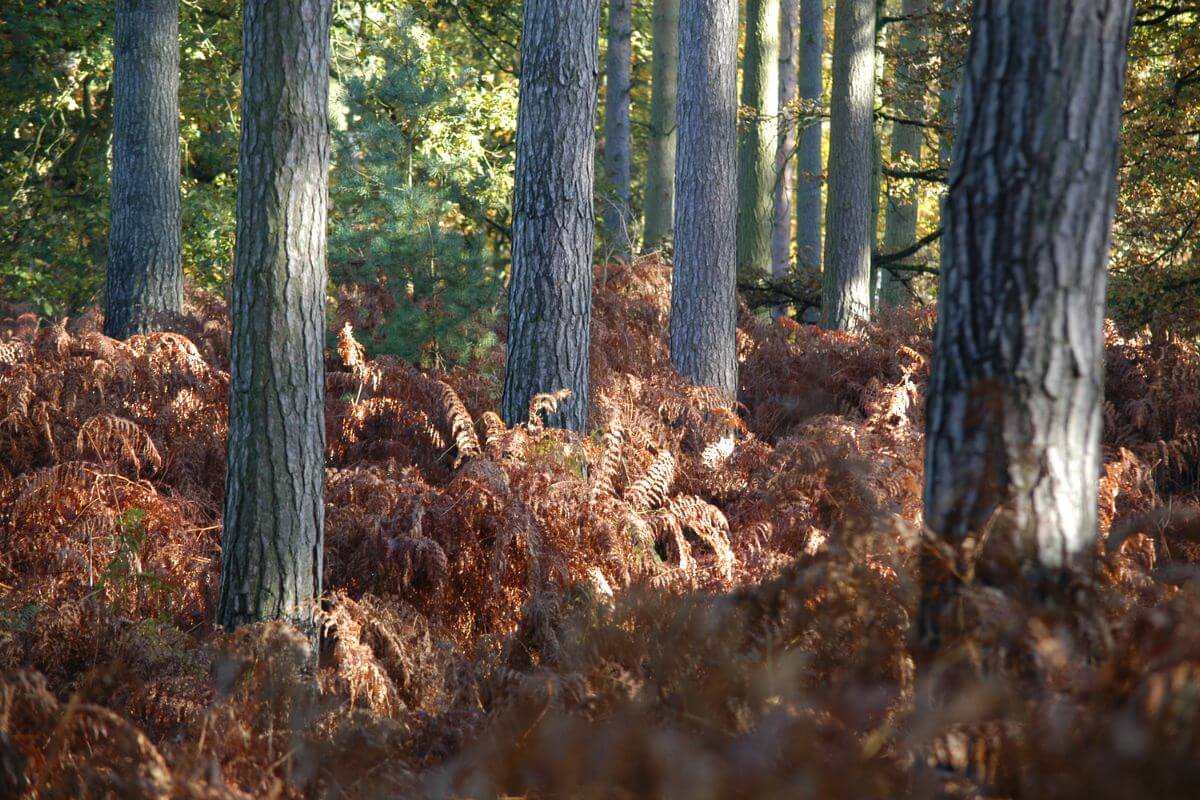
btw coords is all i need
(785, 159)
(703, 283)
(550, 298)
(900, 216)
(660, 160)
(760, 140)
(846, 296)
(144, 279)
(810, 165)
(618, 219)
(1015, 398)
(274, 486)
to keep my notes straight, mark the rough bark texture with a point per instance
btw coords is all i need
(618, 219)
(900, 214)
(703, 296)
(849, 229)
(549, 302)
(1015, 399)
(810, 166)
(785, 158)
(660, 160)
(144, 280)
(759, 141)
(274, 516)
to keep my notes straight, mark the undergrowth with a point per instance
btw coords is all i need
(692, 601)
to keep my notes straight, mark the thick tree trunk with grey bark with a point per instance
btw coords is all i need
(274, 513)
(760, 139)
(1015, 397)
(810, 164)
(144, 279)
(785, 158)
(618, 220)
(703, 283)
(849, 222)
(900, 213)
(550, 298)
(660, 159)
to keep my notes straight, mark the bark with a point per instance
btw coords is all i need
(660, 160)
(703, 297)
(849, 228)
(809, 160)
(900, 222)
(618, 219)
(274, 516)
(549, 303)
(760, 140)
(144, 279)
(1015, 399)
(785, 158)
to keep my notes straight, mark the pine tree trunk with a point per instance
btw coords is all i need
(810, 166)
(144, 280)
(759, 142)
(785, 158)
(1015, 398)
(550, 298)
(849, 228)
(660, 160)
(274, 486)
(948, 96)
(618, 218)
(703, 283)
(900, 223)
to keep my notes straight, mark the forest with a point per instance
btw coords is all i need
(592, 399)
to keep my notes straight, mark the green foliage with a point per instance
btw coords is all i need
(420, 193)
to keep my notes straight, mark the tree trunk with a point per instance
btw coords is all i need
(144, 280)
(900, 223)
(617, 215)
(948, 95)
(660, 160)
(703, 283)
(550, 298)
(274, 486)
(809, 160)
(759, 142)
(846, 296)
(1015, 397)
(785, 158)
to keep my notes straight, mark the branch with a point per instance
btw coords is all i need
(886, 259)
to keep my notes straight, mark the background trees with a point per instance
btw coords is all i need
(617, 158)
(550, 296)
(849, 223)
(660, 159)
(758, 144)
(275, 480)
(1014, 412)
(703, 297)
(144, 280)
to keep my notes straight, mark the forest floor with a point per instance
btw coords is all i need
(694, 602)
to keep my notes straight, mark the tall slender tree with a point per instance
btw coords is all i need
(900, 213)
(849, 222)
(1016, 392)
(550, 298)
(949, 82)
(810, 165)
(760, 140)
(274, 485)
(703, 283)
(660, 159)
(617, 214)
(785, 158)
(144, 279)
